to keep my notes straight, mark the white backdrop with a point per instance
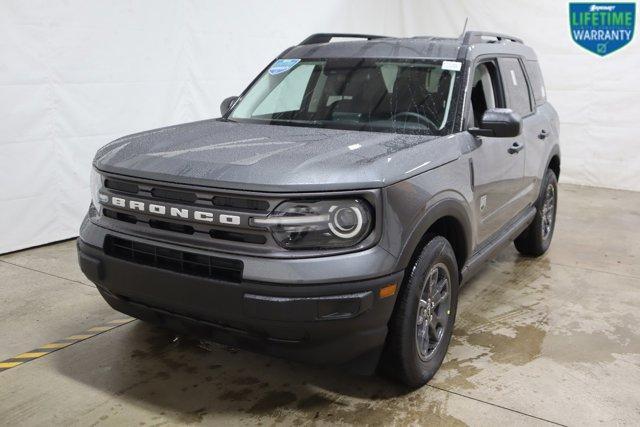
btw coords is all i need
(75, 75)
(598, 99)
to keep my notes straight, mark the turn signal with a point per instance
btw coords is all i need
(388, 291)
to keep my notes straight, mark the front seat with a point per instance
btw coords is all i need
(410, 94)
(366, 91)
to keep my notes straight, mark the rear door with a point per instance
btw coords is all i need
(540, 125)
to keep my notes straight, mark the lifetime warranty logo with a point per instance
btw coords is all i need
(602, 28)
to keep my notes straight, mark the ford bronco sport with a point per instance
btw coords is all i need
(334, 210)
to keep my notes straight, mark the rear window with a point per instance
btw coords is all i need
(537, 84)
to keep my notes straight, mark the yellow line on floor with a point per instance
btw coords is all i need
(56, 345)
(45, 349)
(32, 355)
(7, 365)
(119, 321)
(80, 337)
(100, 328)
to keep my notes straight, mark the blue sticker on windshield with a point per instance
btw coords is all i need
(282, 66)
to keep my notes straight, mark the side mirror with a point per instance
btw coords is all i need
(498, 123)
(226, 105)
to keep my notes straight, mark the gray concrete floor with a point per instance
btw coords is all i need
(550, 340)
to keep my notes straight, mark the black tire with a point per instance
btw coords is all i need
(535, 240)
(401, 358)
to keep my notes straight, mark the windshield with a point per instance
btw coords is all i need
(364, 94)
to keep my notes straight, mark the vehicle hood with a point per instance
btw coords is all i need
(258, 157)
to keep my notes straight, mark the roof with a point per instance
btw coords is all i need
(418, 47)
(421, 47)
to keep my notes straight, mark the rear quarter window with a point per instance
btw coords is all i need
(537, 84)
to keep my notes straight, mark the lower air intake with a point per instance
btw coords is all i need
(170, 259)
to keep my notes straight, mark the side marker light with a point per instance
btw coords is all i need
(388, 291)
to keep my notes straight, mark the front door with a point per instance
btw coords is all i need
(498, 163)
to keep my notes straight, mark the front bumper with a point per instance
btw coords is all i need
(333, 323)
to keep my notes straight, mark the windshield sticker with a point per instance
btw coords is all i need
(282, 66)
(451, 65)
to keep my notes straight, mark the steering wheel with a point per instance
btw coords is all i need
(423, 120)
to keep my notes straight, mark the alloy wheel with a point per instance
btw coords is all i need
(548, 211)
(433, 311)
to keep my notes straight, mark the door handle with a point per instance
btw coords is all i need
(515, 148)
(542, 134)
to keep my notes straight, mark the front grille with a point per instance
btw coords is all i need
(118, 185)
(241, 203)
(120, 216)
(187, 197)
(173, 195)
(170, 259)
(198, 234)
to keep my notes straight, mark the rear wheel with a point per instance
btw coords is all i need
(535, 240)
(422, 323)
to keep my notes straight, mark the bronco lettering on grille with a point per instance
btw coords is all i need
(170, 211)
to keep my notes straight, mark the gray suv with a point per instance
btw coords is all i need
(334, 210)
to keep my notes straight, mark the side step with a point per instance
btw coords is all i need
(502, 239)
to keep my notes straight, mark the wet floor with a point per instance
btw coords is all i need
(537, 341)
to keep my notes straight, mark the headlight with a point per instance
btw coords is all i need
(319, 224)
(96, 184)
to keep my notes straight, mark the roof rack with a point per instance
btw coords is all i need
(326, 37)
(471, 37)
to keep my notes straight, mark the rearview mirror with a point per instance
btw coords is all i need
(498, 123)
(226, 105)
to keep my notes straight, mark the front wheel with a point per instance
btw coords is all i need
(535, 240)
(422, 322)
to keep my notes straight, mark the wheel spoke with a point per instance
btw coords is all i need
(433, 326)
(438, 300)
(422, 305)
(433, 277)
(442, 316)
(435, 338)
(439, 287)
(424, 339)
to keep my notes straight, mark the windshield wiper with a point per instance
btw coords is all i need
(317, 123)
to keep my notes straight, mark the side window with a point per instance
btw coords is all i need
(485, 92)
(516, 86)
(537, 84)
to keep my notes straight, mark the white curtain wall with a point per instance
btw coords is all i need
(77, 74)
(597, 98)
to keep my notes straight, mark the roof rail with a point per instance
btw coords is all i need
(471, 37)
(326, 37)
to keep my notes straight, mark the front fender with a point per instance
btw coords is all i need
(414, 205)
(447, 204)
